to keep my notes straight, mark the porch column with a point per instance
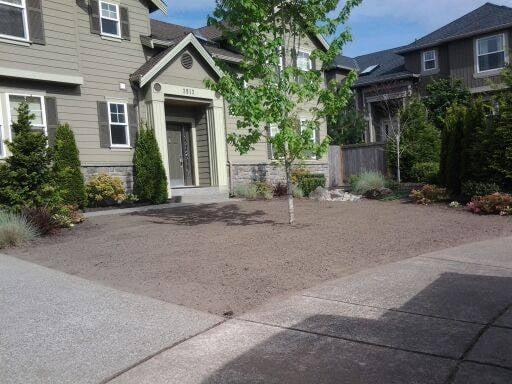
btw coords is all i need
(371, 128)
(156, 119)
(217, 144)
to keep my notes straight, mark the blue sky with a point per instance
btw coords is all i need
(376, 24)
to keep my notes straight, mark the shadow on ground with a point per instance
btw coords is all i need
(229, 214)
(430, 339)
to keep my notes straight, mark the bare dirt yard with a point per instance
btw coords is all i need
(234, 256)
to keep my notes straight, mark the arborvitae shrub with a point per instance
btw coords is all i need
(150, 180)
(25, 177)
(66, 168)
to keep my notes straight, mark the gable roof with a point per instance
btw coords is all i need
(154, 65)
(345, 62)
(489, 17)
(167, 31)
(158, 4)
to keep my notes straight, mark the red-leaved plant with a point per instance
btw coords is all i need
(494, 204)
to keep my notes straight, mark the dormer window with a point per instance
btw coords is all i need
(109, 13)
(430, 60)
(491, 53)
(13, 16)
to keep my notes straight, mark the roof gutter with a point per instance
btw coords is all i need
(160, 4)
(453, 38)
(401, 77)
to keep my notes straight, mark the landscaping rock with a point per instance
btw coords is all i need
(323, 194)
(378, 193)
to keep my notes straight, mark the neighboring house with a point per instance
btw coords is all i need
(102, 66)
(474, 48)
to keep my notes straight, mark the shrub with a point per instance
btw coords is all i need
(42, 219)
(15, 229)
(150, 180)
(309, 182)
(298, 193)
(497, 203)
(264, 190)
(246, 191)
(367, 181)
(104, 190)
(442, 94)
(428, 194)
(67, 216)
(66, 168)
(471, 189)
(25, 177)
(425, 172)
(280, 190)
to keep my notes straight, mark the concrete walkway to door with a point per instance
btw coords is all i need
(444, 317)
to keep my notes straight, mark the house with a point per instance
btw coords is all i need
(474, 48)
(104, 65)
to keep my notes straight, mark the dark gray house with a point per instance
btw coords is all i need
(474, 48)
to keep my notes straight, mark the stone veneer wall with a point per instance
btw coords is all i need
(273, 174)
(122, 171)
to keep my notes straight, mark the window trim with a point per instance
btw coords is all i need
(306, 120)
(2, 144)
(43, 112)
(299, 51)
(424, 61)
(126, 125)
(25, 22)
(477, 53)
(118, 20)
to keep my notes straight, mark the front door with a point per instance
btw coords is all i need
(179, 148)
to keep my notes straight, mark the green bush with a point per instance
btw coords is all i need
(309, 182)
(298, 193)
(264, 190)
(15, 229)
(66, 168)
(150, 180)
(246, 191)
(441, 95)
(425, 172)
(368, 181)
(471, 189)
(104, 190)
(25, 177)
(451, 149)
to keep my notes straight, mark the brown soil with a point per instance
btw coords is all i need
(233, 256)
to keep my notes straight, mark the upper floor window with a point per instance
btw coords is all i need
(13, 19)
(491, 53)
(119, 136)
(109, 14)
(429, 60)
(304, 61)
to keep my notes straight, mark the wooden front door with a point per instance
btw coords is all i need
(179, 148)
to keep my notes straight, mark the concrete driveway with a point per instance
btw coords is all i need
(444, 317)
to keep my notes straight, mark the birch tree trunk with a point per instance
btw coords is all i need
(398, 175)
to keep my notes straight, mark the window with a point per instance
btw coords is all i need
(2, 152)
(490, 53)
(370, 69)
(109, 14)
(429, 60)
(36, 106)
(13, 19)
(118, 123)
(304, 61)
(304, 123)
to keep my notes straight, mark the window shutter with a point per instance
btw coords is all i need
(94, 12)
(317, 138)
(133, 124)
(125, 23)
(52, 118)
(35, 21)
(103, 124)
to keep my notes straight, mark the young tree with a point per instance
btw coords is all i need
(66, 167)
(149, 172)
(25, 177)
(269, 87)
(349, 126)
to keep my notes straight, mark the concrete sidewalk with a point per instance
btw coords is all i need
(57, 328)
(444, 317)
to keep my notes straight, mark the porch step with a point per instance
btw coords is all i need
(206, 195)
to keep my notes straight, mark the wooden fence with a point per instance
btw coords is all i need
(349, 160)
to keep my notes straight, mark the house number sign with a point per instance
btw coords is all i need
(188, 91)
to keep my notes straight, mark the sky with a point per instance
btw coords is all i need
(375, 25)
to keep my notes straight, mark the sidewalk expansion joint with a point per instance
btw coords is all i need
(367, 343)
(466, 262)
(147, 358)
(453, 375)
(397, 310)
